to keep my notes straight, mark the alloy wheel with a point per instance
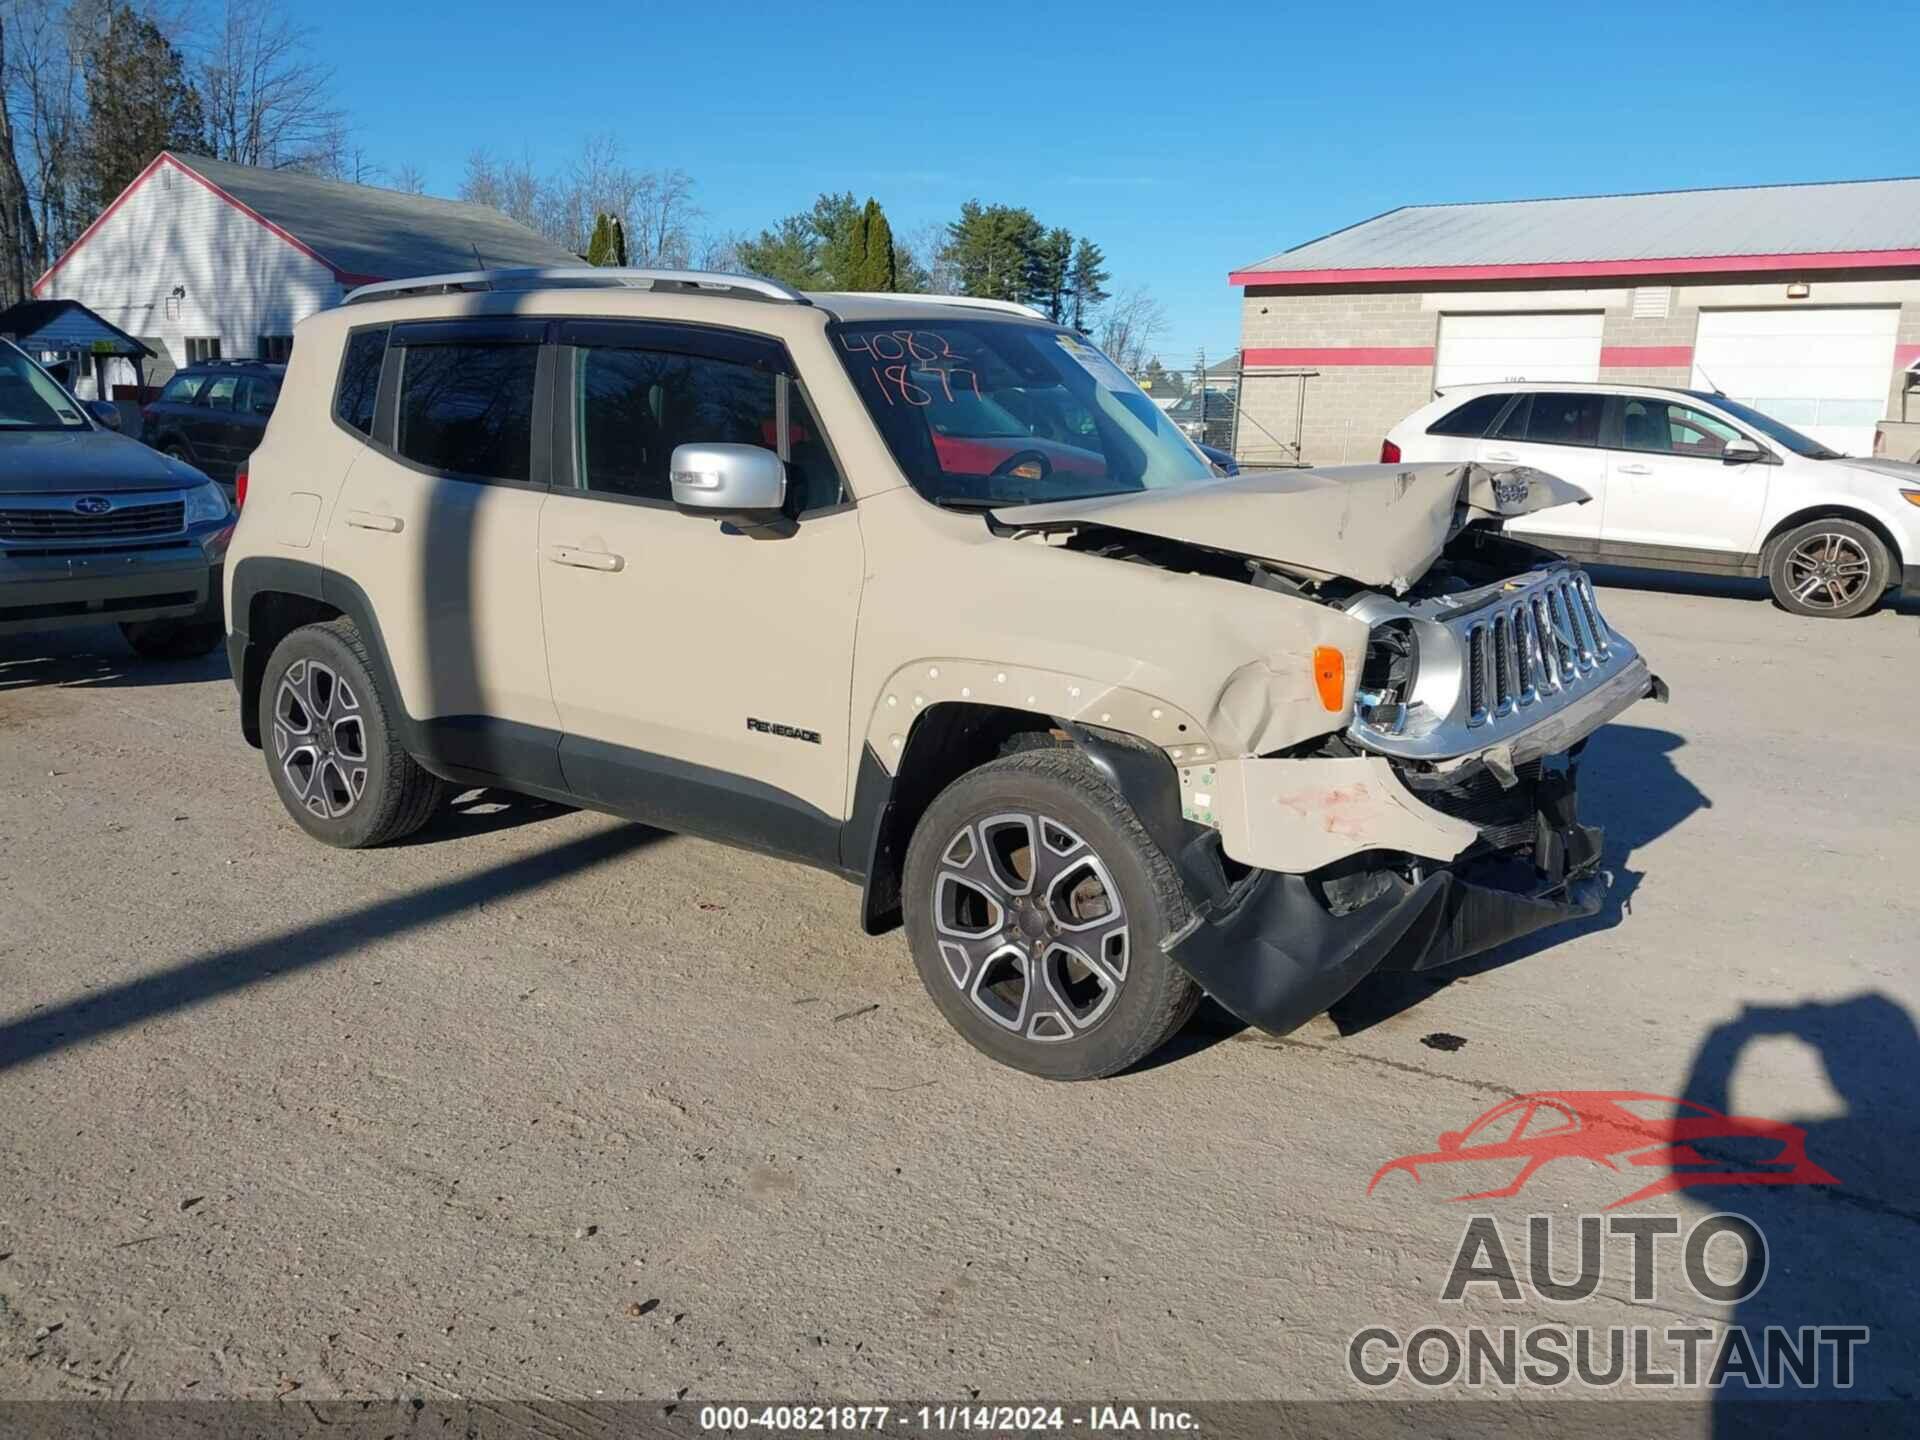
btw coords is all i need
(1828, 571)
(1030, 925)
(320, 739)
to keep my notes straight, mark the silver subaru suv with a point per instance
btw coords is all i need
(95, 527)
(924, 592)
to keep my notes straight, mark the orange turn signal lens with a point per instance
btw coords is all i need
(1330, 676)
(1912, 497)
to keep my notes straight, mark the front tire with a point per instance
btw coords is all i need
(333, 752)
(1036, 904)
(173, 639)
(1829, 569)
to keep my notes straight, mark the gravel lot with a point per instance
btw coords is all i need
(540, 1104)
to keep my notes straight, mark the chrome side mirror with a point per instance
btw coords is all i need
(1742, 451)
(104, 412)
(744, 484)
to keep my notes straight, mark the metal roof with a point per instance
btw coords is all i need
(1830, 221)
(366, 233)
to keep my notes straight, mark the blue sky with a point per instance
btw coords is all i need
(1185, 139)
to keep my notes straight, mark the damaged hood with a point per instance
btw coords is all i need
(1377, 524)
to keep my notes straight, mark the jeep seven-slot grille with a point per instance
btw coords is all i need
(122, 522)
(1547, 640)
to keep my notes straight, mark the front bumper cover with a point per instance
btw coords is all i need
(1277, 949)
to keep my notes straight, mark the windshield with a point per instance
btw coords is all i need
(982, 412)
(30, 399)
(1771, 428)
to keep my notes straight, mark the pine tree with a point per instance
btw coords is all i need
(992, 248)
(600, 248)
(1085, 292)
(879, 268)
(619, 240)
(1050, 275)
(139, 102)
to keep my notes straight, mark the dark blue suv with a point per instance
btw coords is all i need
(212, 414)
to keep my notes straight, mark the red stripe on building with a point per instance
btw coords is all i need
(1576, 269)
(1344, 355)
(1906, 355)
(1671, 355)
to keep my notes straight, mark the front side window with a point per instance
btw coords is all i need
(1774, 430)
(182, 388)
(985, 412)
(1665, 428)
(635, 406)
(468, 408)
(30, 399)
(219, 392)
(1471, 419)
(359, 384)
(1552, 418)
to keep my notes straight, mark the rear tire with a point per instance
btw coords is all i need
(332, 750)
(173, 639)
(1055, 970)
(1829, 569)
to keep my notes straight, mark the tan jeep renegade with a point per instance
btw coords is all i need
(927, 593)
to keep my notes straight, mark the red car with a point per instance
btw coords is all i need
(1693, 1144)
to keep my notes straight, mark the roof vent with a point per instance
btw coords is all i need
(1652, 302)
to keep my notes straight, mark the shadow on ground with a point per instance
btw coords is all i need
(1722, 587)
(206, 977)
(96, 656)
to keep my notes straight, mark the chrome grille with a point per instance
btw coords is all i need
(1546, 642)
(1490, 664)
(122, 522)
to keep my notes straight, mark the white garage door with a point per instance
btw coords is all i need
(1824, 372)
(1476, 349)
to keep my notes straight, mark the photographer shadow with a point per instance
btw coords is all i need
(1839, 1254)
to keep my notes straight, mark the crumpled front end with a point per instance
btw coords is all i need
(1440, 824)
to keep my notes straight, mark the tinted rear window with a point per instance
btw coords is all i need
(360, 379)
(1472, 418)
(182, 388)
(468, 409)
(1552, 418)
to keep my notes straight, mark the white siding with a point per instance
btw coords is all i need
(241, 280)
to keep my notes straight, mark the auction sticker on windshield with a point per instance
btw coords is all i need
(1109, 375)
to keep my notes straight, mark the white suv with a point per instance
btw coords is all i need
(1689, 480)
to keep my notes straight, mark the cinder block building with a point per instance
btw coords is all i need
(1802, 300)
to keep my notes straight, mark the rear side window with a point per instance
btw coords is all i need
(359, 383)
(468, 408)
(259, 395)
(182, 388)
(219, 392)
(1550, 418)
(1471, 419)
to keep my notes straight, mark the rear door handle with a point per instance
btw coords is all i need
(1501, 455)
(367, 520)
(1634, 469)
(584, 559)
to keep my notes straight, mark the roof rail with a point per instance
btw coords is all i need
(685, 282)
(1009, 307)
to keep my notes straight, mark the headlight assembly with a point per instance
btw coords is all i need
(206, 504)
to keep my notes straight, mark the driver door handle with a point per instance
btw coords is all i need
(367, 520)
(1634, 469)
(601, 560)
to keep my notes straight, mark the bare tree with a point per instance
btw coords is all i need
(42, 76)
(410, 178)
(924, 262)
(509, 186)
(267, 102)
(19, 235)
(660, 221)
(1128, 324)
